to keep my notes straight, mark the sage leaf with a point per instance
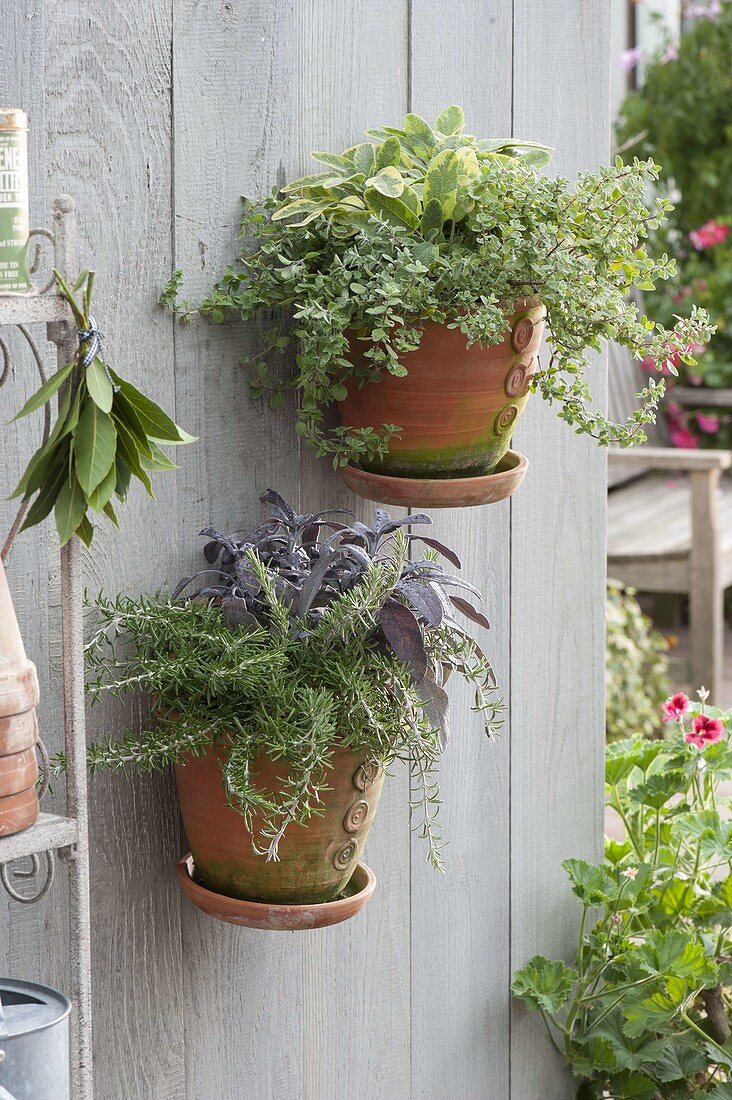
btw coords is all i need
(95, 444)
(389, 182)
(364, 158)
(99, 385)
(441, 182)
(390, 153)
(450, 121)
(70, 508)
(393, 211)
(432, 217)
(47, 390)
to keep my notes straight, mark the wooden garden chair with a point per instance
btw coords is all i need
(670, 521)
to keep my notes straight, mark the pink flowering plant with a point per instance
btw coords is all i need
(644, 1012)
(681, 117)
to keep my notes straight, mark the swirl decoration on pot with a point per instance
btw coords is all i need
(518, 381)
(364, 776)
(505, 419)
(356, 816)
(522, 334)
(345, 855)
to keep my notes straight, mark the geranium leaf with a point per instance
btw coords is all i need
(544, 983)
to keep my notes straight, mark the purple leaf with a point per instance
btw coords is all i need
(436, 707)
(404, 635)
(441, 549)
(469, 611)
(424, 599)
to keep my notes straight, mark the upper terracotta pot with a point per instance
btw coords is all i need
(315, 861)
(457, 406)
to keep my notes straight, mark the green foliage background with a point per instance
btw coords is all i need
(636, 667)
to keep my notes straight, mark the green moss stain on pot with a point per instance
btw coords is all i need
(316, 860)
(457, 406)
(14, 205)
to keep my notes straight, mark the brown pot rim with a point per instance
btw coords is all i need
(454, 492)
(271, 915)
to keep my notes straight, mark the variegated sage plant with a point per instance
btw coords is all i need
(312, 631)
(426, 223)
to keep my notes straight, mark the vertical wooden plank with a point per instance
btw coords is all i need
(236, 121)
(108, 113)
(460, 922)
(356, 976)
(561, 91)
(33, 941)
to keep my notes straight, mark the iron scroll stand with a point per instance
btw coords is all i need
(52, 834)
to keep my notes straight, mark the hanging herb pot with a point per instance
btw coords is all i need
(286, 678)
(414, 273)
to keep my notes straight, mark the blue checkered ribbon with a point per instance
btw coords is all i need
(93, 337)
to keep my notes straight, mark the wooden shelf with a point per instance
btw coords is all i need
(49, 832)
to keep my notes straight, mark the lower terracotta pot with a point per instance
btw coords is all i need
(18, 811)
(457, 406)
(315, 861)
(18, 772)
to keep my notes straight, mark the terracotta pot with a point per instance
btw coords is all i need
(18, 730)
(316, 860)
(18, 811)
(458, 406)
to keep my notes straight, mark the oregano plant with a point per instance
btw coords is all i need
(427, 223)
(106, 433)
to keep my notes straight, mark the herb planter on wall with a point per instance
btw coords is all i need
(457, 407)
(227, 877)
(407, 273)
(288, 676)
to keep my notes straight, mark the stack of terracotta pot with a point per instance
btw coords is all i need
(18, 726)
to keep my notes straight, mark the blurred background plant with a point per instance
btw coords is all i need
(680, 115)
(636, 667)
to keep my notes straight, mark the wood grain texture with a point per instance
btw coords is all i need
(460, 975)
(156, 119)
(356, 980)
(108, 88)
(236, 123)
(28, 936)
(560, 89)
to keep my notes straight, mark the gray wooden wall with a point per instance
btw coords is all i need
(156, 116)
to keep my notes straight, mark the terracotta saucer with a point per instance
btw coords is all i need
(259, 914)
(454, 492)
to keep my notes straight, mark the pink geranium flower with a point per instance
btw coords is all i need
(675, 707)
(630, 58)
(704, 731)
(707, 424)
(709, 234)
(670, 54)
(683, 438)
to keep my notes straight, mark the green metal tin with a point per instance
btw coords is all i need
(14, 204)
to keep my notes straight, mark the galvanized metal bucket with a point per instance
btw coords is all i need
(34, 1042)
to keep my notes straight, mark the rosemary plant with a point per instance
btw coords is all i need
(309, 633)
